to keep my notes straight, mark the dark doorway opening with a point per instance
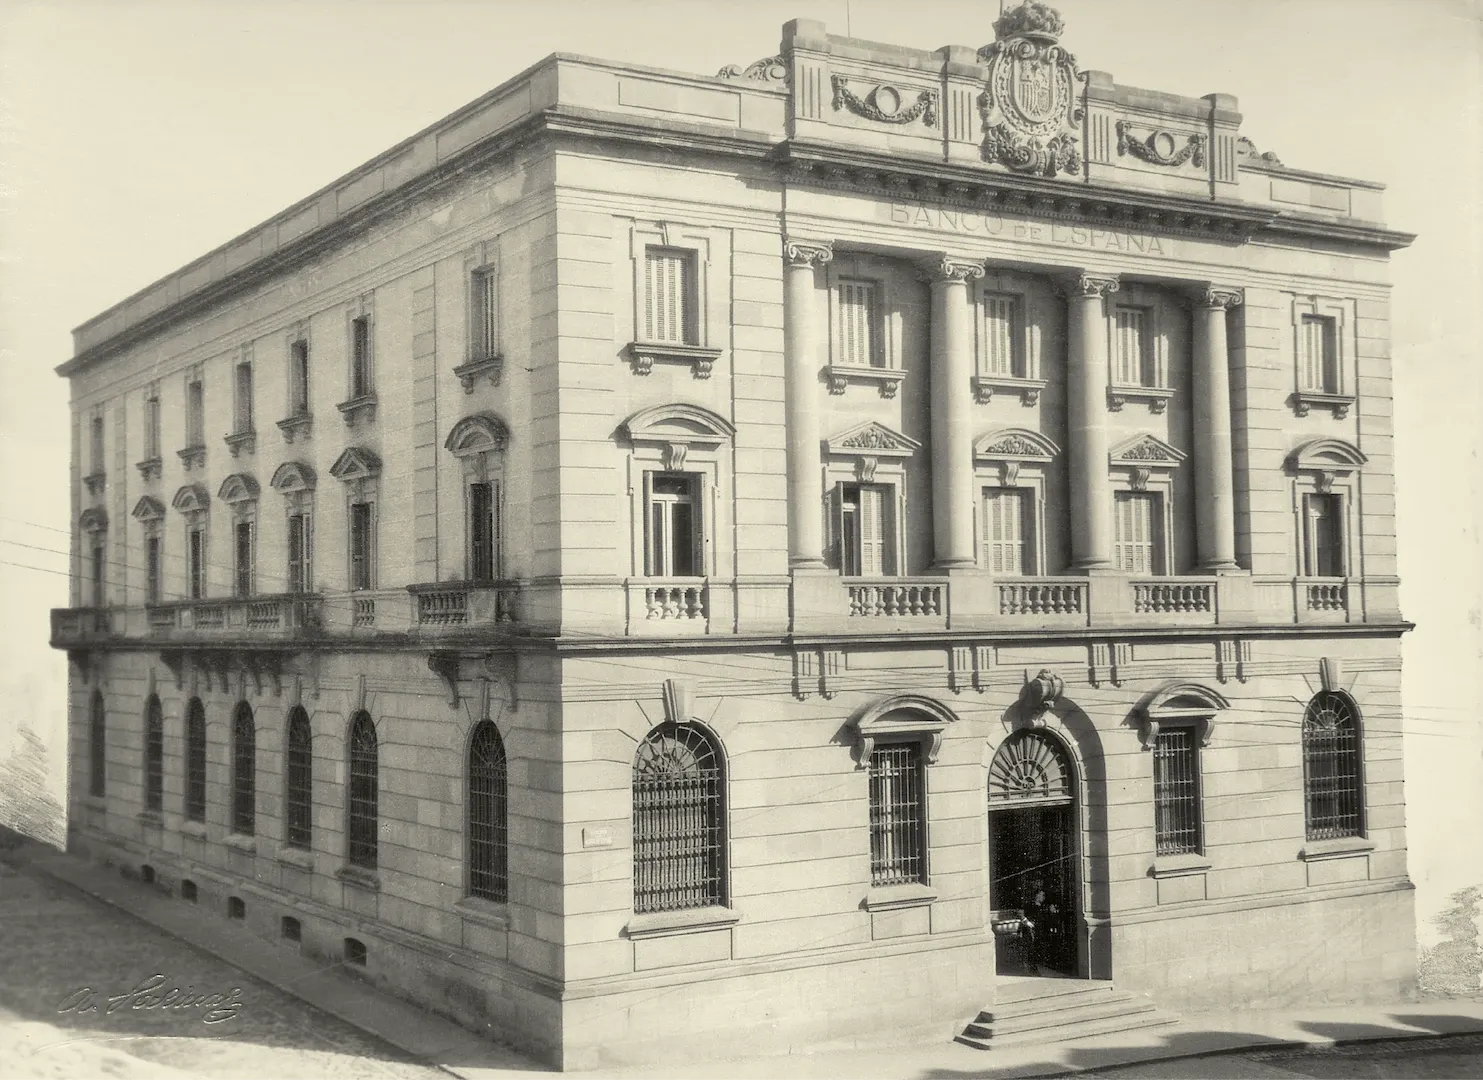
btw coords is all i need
(1032, 871)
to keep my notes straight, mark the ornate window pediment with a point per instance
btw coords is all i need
(481, 433)
(190, 499)
(678, 430)
(1179, 702)
(902, 718)
(872, 439)
(292, 477)
(356, 463)
(148, 508)
(93, 520)
(237, 489)
(1019, 444)
(1142, 455)
(1327, 455)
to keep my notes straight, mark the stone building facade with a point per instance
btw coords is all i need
(653, 560)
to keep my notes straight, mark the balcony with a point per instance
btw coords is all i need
(81, 626)
(1190, 599)
(289, 615)
(465, 606)
(1045, 599)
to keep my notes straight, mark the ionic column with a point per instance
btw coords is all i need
(1086, 420)
(1215, 513)
(952, 411)
(802, 358)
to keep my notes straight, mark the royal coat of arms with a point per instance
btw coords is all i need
(1031, 102)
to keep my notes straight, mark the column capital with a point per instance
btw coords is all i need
(807, 252)
(1210, 295)
(1087, 285)
(950, 268)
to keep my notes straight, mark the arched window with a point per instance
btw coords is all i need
(363, 768)
(195, 761)
(679, 823)
(299, 792)
(244, 771)
(489, 851)
(154, 755)
(1333, 787)
(97, 745)
(1030, 768)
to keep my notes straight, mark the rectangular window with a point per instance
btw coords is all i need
(1138, 529)
(243, 417)
(1320, 354)
(1007, 544)
(100, 570)
(484, 295)
(152, 425)
(1134, 352)
(1323, 520)
(673, 548)
(484, 532)
(245, 559)
(671, 303)
(1000, 323)
(300, 554)
(196, 562)
(152, 570)
(867, 534)
(195, 413)
(897, 815)
(860, 338)
(1176, 791)
(98, 451)
(360, 357)
(298, 378)
(362, 546)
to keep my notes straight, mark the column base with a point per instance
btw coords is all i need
(808, 566)
(955, 568)
(1223, 569)
(1092, 569)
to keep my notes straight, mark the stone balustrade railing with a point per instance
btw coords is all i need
(903, 598)
(1173, 596)
(1043, 596)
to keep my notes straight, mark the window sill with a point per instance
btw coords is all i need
(150, 468)
(152, 818)
(242, 441)
(888, 380)
(241, 842)
(194, 828)
(892, 897)
(192, 456)
(488, 913)
(689, 921)
(360, 877)
(1156, 396)
(97, 802)
(302, 858)
(358, 409)
(1167, 866)
(1342, 847)
(474, 370)
(1028, 389)
(96, 482)
(701, 359)
(1303, 402)
(295, 426)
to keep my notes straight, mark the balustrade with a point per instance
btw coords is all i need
(895, 599)
(1042, 597)
(1327, 595)
(669, 600)
(1173, 597)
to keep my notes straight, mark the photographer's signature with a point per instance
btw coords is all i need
(153, 994)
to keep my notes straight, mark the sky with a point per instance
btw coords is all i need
(137, 135)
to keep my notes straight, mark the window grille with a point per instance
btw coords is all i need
(152, 569)
(1176, 791)
(999, 336)
(245, 559)
(298, 377)
(1006, 532)
(1030, 767)
(670, 313)
(299, 801)
(485, 295)
(152, 425)
(154, 755)
(1134, 357)
(1323, 535)
(897, 815)
(1137, 546)
(195, 414)
(362, 550)
(363, 788)
(100, 571)
(679, 823)
(196, 561)
(484, 532)
(300, 554)
(859, 324)
(1319, 362)
(488, 815)
(98, 452)
(244, 398)
(673, 533)
(360, 357)
(1332, 784)
(97, 746)
(244, 771)
(195, 761)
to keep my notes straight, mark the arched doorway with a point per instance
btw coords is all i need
(1033, 855)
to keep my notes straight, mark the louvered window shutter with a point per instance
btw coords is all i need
(999, 319)
(858, 331)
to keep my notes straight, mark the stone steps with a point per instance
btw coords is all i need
(1056, 1011)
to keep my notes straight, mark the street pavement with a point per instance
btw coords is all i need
(1424, 1059)
(70, 967)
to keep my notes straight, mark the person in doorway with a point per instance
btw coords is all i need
(1043, 912)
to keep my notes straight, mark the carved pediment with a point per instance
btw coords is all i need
(238, 488)
(148, 508)
(1147, 451)
(480, 433)
(356, 463)
(1179, 702)
(1020, 443)
(1327, 455)
(873, 439)
(898, 718)
(191, 498)
(94, 519)
(293, 476)
(678, 423)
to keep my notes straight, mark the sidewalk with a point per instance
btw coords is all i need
(465, 1054)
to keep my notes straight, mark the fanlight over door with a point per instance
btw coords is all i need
(1029, 769)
